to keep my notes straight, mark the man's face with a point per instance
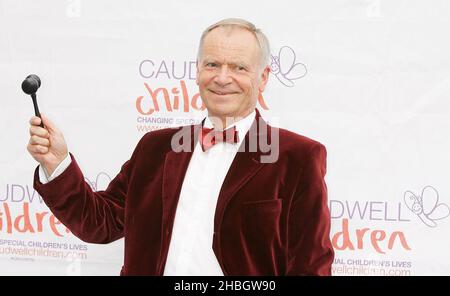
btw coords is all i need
(229, 72)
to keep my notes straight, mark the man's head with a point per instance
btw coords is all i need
(232, 67)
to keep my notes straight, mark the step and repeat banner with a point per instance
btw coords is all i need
(370, 79)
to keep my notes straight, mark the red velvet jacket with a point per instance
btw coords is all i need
(271, 218)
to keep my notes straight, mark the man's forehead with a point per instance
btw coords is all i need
(229, 40)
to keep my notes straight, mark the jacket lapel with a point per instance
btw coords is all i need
(245, 165)
(175, 167)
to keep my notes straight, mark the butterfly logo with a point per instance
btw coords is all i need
(285, 67)
(101, 181)
(426, 206)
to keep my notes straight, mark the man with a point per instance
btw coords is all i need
(206, 199)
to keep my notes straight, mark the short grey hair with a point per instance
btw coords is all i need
(263, 42)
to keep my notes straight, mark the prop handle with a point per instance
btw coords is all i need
(36, 108)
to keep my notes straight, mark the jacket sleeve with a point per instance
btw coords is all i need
(310, 251)
(94, 217)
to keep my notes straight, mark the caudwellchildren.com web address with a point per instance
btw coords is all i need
(369, 271)
(38, 252)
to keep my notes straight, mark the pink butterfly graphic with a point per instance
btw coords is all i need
(426, 206)
(285, 68)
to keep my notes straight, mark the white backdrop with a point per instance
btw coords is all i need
(369, 79)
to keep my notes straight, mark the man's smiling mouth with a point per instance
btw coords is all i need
(222, 93)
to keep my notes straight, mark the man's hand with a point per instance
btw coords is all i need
(46, 145)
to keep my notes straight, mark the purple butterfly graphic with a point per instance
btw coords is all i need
(101, 181)
(285, 68)
(426, 206)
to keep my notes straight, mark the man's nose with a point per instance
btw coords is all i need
(223, 77)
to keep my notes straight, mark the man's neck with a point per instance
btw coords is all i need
(222, 123)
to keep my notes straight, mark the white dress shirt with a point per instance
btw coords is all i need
(190, 250)
(45, 178)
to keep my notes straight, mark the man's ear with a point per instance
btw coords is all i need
(264, 78)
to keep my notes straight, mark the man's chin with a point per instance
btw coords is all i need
(222, 110)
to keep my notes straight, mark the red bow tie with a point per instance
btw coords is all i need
(209, 137)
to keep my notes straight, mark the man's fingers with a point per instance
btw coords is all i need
(36, 140)
(35, 120)
(39, 131)
(37, 149)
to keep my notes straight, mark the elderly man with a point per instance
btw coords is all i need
(208, 199)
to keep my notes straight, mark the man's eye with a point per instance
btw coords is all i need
(211, 65)
(241, 68)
